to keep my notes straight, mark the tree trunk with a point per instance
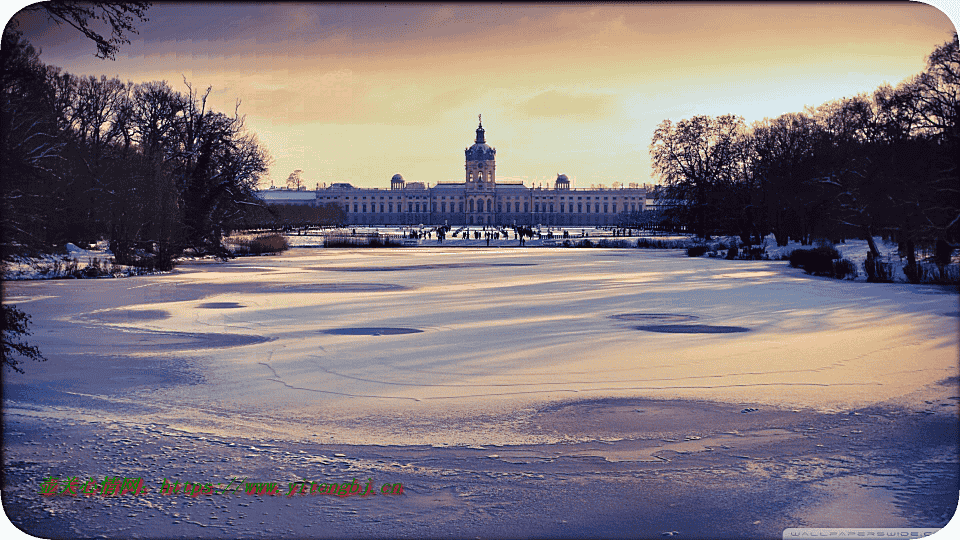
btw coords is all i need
(868, 236)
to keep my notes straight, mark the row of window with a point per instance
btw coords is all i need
(452, 197)
(537, 207)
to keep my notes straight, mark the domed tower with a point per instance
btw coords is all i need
(480, 164)
(562, 182)
(396, 182)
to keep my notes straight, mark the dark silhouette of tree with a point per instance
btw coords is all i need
(782, 167)
(219, 166)
(881, 164)
(119, 18)
(151, 169)
(845, 168)
(697, 158)
(31, 144)
(937, 106)
(15, 324)
(294, 181)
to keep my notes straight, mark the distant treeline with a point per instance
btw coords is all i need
(153, 170)
(886, 164)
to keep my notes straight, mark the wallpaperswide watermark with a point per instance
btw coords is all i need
(875, 533)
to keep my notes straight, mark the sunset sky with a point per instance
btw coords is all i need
(357, 93)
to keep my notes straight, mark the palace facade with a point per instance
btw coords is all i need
(478, 200)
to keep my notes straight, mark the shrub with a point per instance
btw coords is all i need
(943, 253)
(827, 251)
(696, 251)
(71, 267)
(877, 270)
(933, 274)
(944, 275)
(652, 243)
(843, 268)
(94, 269)
(732, 252)
(273, 243)
(341, 240)
(915, 272)
(755, 253)
(817, 261)
(382, 241)
(604, 243)
(585, 243)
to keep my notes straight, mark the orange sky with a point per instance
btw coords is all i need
(355, 94)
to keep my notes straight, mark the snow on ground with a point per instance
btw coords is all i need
(403, 346)
(75, 260)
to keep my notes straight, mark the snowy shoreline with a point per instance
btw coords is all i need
(78, 259)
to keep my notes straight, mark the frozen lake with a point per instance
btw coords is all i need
(307, 343)
(485, 377)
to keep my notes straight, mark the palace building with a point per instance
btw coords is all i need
(478, 200)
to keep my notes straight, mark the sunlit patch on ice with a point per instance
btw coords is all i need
(370, 331)
(221, 305)
(691, 329)
(660, 317)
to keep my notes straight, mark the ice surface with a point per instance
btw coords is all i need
(263, 339)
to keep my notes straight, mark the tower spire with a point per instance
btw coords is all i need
(480, 130)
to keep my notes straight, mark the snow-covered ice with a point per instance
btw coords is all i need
(279, 342)
(543, 392)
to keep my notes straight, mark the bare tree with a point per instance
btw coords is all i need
(15, 324)
(937, 92)
(119, 17)
(31, 146)
(695, 157)
(294, 181)
(782, 168)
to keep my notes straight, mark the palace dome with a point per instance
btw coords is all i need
(397, 178)
(480, 151)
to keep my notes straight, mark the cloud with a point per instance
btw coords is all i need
(561, 104)
(298, 98)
